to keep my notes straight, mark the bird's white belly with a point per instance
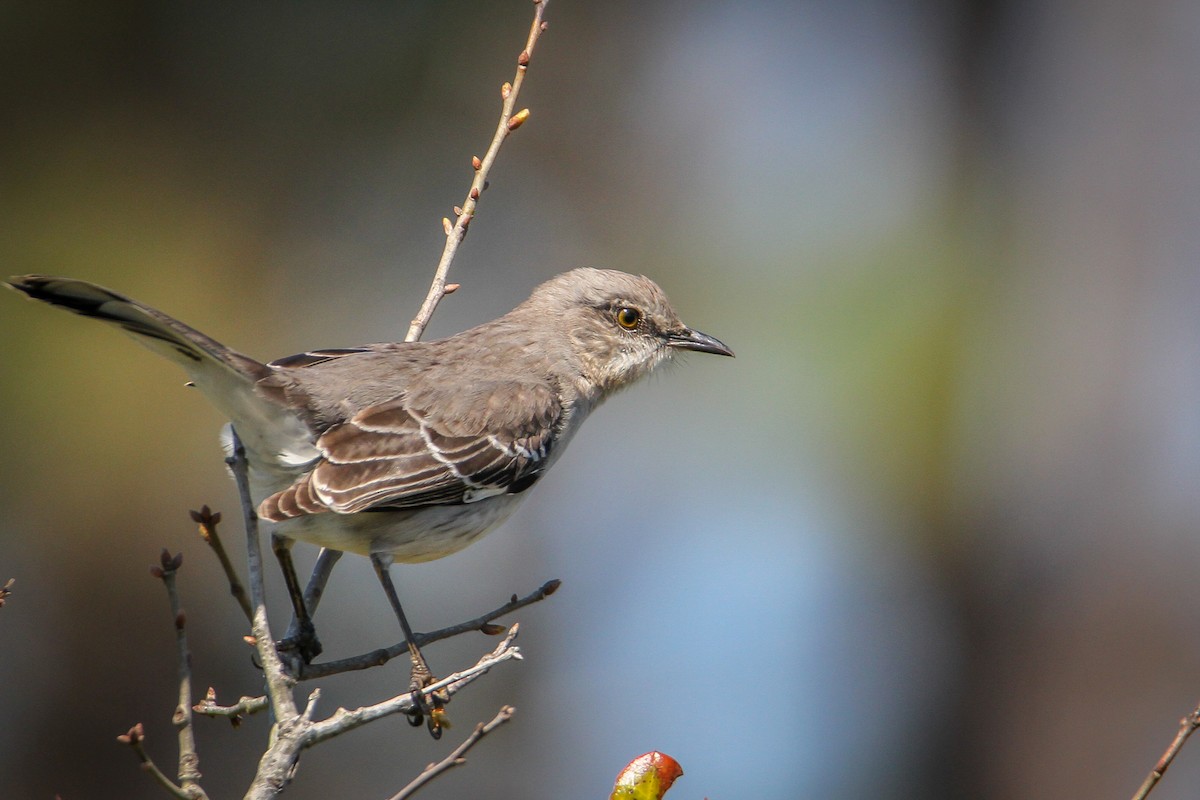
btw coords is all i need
(409, 535)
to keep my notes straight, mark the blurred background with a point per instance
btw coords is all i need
(933, 532)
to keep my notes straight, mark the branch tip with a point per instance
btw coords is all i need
(134, 735)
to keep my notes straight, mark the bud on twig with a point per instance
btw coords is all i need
(447, 226)
(135, 735)
(450, 288)
(505, 90)
(523, 59)
(518, 119)
(476, 163)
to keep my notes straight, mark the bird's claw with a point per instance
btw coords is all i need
(431, 711)
(304, 644)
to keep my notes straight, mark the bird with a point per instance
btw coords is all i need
(410, 451)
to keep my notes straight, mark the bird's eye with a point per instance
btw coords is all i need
(628, 318)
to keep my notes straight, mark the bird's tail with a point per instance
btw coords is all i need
(163, 334)
(225, 376)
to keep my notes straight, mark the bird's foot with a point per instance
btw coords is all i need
(304, 644)
(429, 709)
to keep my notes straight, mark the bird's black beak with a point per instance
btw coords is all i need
(688, 339)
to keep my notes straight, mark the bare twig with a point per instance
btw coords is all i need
(456, 232)
(189, 758)
(207, 520)
(134, 738)
(1187, 726)
(279, 683)
(343, 720)
(299, 732)
(385, 654)
(245, 706)
(456, 758)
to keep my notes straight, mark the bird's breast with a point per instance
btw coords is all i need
(410, 535)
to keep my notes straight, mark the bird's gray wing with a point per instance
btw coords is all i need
(428, 449)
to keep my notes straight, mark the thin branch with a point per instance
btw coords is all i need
(296, 733)
(456, 232)
(188, 787)
(310, 710)
(385, 654)
(207, 520)
(456, 758)
(189, 758)
(134, 738)
(1187, 726)
(245, 706)
(343, 720)
(279, 684)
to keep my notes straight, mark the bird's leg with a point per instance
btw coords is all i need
(326, 559)
(421, 676)
(305, 641)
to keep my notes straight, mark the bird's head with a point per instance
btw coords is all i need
(619, 326)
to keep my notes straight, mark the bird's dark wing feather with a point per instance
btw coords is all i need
(314, 357)
(404, 453)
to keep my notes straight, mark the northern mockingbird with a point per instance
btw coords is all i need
(411, 451)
